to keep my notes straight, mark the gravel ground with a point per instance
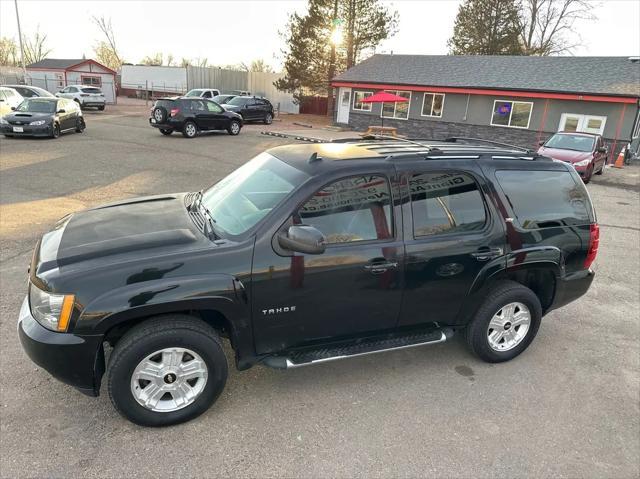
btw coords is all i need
(568, 407)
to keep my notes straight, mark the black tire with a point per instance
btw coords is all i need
(8, 136)
(234, 128)
(268, 118)
(190, 129)
(174, 331)
(79, 104)
(159, 114)
(101, 108)
(166, 132)
(502, 294)
(587, 177)
(601, 170)
(55, 131)
(80, 124)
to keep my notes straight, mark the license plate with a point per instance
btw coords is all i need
(153, 120)
(18, 129)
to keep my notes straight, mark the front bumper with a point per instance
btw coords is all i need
(74, 360)
(42, 130)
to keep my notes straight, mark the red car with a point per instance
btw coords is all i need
(585, 151)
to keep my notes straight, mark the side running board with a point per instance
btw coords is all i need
(307, 357)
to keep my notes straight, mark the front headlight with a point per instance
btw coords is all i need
(37, 123)
(53, 311)
(582, 163)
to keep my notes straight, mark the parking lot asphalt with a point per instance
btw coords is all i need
(568, 407)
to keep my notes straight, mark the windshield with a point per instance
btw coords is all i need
(194, 93)
(220, 99)
(37, 106)
(570, 142)
(247, 195)
(238, 101)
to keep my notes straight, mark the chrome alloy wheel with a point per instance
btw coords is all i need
(508, 327)
(169, 379)
(235, 127)
(190, 129)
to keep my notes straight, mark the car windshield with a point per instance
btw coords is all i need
(238, 101)
(194, 93)
(247, 195)
(221, 98)
(570, 142)
(37, 106)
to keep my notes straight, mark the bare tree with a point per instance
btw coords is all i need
(546, 26)
(260, 65)
(105, 27)
(35, 48)
(8, 52)
(155, 60)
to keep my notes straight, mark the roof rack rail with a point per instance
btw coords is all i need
(428, 148)
(455, 139)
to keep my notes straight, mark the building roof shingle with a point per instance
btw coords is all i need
(56, 63)
(618, 76)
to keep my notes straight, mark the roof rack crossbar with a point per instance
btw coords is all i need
(454, 139)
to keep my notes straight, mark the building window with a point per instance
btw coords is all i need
(357, 100)
(91, 80)
(432, 104)
(60, 80)
(399, 109)
(513, 114)
(573, 122)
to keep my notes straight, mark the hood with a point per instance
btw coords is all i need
(27, 117)
(568, 156)
(160, 224)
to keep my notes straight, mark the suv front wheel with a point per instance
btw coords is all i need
(168, 370)
(506, 322)
(268, 119)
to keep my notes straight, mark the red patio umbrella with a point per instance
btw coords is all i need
(384, 97)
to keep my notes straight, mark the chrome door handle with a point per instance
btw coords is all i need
(487, 254)
(378, 268)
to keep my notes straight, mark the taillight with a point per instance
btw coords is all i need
(175, 111)
(594, 242)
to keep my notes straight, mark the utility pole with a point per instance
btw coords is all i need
(332, 65)
(24, 67)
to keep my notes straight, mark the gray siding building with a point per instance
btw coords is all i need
(515, 99)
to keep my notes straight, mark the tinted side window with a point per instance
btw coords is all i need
(214, 107)
(350, 209)
(445, 202)
(544, 199)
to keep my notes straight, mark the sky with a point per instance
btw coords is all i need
(230, 32)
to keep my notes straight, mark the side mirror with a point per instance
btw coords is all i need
(602, 149)
(541, 142)
(13, 108)
(61, 111)
(302, 239)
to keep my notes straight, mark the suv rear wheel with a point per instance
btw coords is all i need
(190, 130)
(166, 131)
(167, 370)
(506, 323)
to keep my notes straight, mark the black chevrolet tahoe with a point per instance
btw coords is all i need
(308, 253)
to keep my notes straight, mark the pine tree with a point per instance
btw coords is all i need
(486, 27)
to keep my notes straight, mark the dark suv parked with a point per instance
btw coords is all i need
(192, 116)
(306, 254)
(251, 108)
